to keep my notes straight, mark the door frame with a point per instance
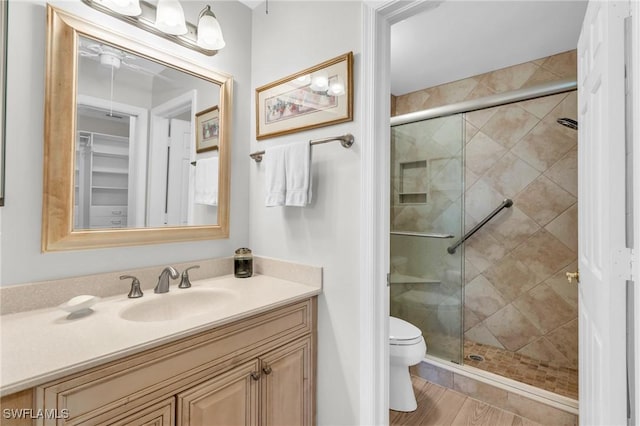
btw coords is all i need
(377, 18)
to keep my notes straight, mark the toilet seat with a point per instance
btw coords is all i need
(403, 333)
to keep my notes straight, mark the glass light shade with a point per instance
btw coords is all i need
(336, 87)
(170, 17)
(320, 81)
(209, 31)
(304, 80)
(123, 7)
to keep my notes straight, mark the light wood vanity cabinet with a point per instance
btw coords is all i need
(255, 371)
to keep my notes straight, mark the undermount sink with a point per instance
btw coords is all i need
(178, 304)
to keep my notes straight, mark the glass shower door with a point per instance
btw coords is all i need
(427, 199)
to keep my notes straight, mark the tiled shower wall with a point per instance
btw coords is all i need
(516, 294)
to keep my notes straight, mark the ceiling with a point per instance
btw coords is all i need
(460, 39)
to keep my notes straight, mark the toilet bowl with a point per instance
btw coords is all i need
(406, 348)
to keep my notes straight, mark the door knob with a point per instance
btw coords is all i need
(267, 370)
(573, 275)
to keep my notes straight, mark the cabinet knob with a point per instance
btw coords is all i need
(266, 370)
(255, 375)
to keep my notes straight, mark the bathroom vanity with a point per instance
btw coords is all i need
(250, 361)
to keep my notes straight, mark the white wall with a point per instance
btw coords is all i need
(292, 37)
(20, 230)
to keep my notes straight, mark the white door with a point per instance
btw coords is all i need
(179, 173)
(603, 258)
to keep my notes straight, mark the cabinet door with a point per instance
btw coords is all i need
(230, 398)
(287, 383)
(161, 414)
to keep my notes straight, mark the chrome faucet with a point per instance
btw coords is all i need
(163, 279)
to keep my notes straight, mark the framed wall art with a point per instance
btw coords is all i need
(208, 129)
(318, 96)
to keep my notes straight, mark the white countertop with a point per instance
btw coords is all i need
(43, 345)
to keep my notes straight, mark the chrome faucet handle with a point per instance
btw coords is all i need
(184, 282)
(135, 291)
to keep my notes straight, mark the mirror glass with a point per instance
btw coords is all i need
(136, 163)
(137, 147)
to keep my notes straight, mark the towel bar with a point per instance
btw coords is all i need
(345, 140)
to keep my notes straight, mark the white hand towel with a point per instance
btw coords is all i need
(206, 188)
(274, 162)
(298, 174)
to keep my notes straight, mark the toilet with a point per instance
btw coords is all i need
(406, 348)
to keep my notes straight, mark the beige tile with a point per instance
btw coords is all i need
(510, 175)
(542, 350)
(509, 78)
(434, 374)
(565, 227)
(449, 93)
(511, 328)
(545, 308)
(543, 200)
(512, 227)
(469, 178)
(469, 131)
(539, 77)
(482, 152)
(567, 108)
(565, 340)
(483, 250)
(481, 298)
(544, 254)
(511, 277)
(542, 106)
(481, 199)
(509, 124)
(470, 271)
(393, 105)
(538, 412)
(565, 172)
(544, 145)
(479, 390)
(480, 117)
(411, 102)
(481, 334)
(470, 319)
(563, 64)
(559, 283)
(480, 91)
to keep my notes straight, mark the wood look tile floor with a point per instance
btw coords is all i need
(441, 406)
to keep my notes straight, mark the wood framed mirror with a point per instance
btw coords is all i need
(121, 123)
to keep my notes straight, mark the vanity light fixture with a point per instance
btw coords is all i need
(167, 21)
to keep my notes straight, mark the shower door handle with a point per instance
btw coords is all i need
(421, 234)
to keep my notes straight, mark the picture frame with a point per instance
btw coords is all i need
(315, 97)
(207, 129)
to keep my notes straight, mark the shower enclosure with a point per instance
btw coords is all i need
(498, 173)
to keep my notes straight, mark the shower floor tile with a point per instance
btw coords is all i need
(542, 374)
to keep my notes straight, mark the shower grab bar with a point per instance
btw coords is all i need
(419, 234)
(505, 205)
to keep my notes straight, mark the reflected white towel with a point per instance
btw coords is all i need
(206, 187)
(297, 159)
(274, 162)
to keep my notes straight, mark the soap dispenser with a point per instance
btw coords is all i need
(243, 263)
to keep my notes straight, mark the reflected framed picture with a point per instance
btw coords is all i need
(318, 96)
(207, 129)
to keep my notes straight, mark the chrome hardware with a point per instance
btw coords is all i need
(345, 140)
(163, 279)
(266, 370)
(135, 291)
(184, 282)
(255, 375)
(421, 234)
(573, 275)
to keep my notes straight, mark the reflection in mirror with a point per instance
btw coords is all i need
(136, 164)
(123, 163)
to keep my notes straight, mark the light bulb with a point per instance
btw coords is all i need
(209, 31)
(320, 81)
(304, 80)
(170, 17)
(336, 87)
(123, 7)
